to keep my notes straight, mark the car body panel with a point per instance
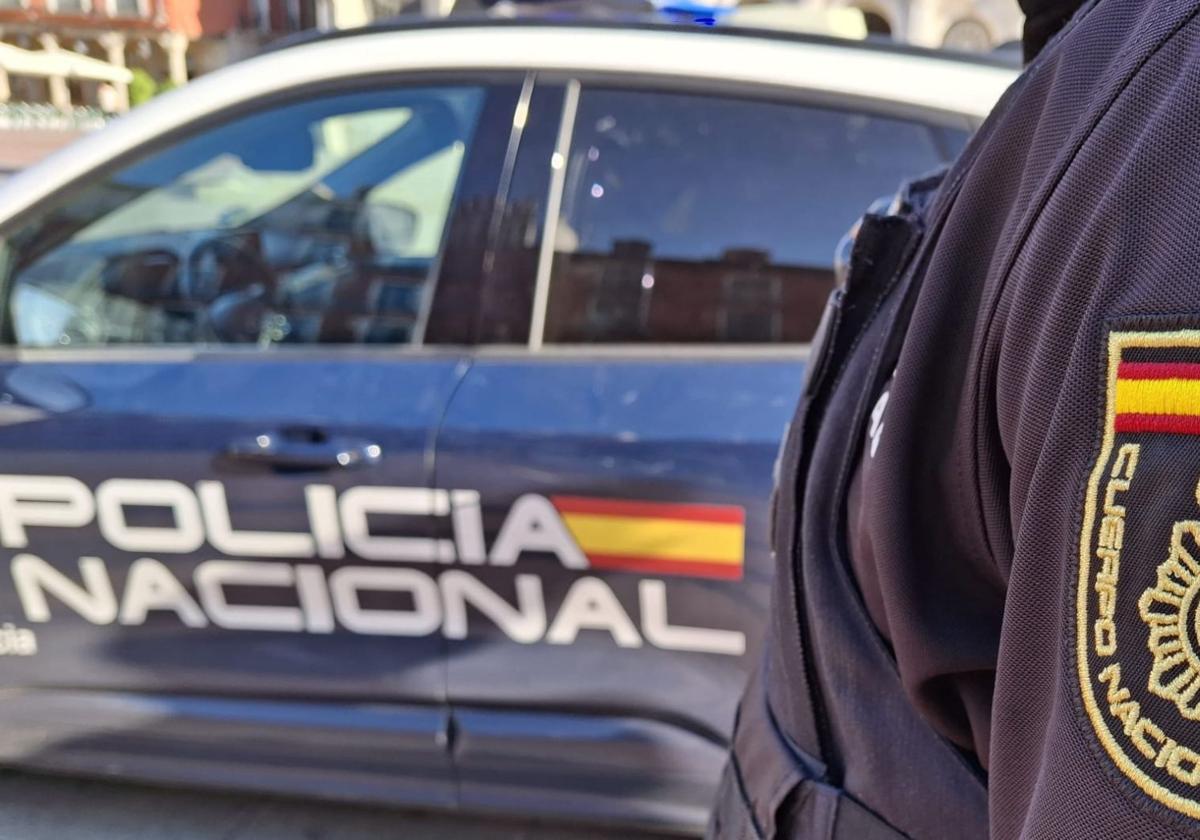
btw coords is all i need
(625, 770)
(185, 425)
(385, 753)
(610, 425)
(613, 430)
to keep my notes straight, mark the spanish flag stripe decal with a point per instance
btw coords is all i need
(1158, 397)
(1177, 424)
(663, 539)
(657, 537)
(661, 510)
(1158, 370)
(669, 567)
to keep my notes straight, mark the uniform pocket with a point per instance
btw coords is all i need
(773, 790)
(802, 809)
(824, 812)
(798, 807)
(732, 818)
(768, 786)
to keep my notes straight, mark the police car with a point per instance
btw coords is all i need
(391, 417)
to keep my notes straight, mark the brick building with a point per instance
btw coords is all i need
(171, 40)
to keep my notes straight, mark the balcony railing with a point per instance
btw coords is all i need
(27, 115)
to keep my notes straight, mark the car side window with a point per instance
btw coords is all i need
(315, 221)
(698, 219)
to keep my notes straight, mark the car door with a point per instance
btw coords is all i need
(618, 431)
(223, 372)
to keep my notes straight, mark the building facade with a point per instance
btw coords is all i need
(974, 25)
(51, 51)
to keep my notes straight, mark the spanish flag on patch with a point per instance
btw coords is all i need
(657, 537)
(1158, 396)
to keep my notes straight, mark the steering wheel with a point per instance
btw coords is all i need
(230, 282)
(221, 265)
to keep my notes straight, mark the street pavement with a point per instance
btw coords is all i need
(47, 808)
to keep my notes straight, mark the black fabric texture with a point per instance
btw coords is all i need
(965, 527)
(942, 536)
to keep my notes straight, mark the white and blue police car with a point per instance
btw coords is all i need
(391, 417)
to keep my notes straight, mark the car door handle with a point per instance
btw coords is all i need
(304, 449)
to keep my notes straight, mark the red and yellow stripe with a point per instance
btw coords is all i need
(1158, 397)
(657, 537)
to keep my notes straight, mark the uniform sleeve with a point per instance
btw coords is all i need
(1087, 412)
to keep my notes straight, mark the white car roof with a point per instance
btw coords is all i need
(911, 78)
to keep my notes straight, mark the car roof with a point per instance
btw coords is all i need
(822, 65)
(559, 15)
(971, 87)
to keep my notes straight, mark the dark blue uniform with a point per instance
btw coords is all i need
(987, 617)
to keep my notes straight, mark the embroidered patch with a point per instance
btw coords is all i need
(1138, 590)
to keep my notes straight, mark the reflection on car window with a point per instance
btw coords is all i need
(698, 219)
(318, 221)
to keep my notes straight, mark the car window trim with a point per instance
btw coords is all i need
(173, 353)
(519, 113)
(551, 219)
(933, 120)
(766, 92)
(522, 111)
(636, 350)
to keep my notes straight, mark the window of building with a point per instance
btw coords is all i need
(968, 36)
(69, 7)
(877, 24)
(129, 8)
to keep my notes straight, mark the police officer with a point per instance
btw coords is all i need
(987, 526)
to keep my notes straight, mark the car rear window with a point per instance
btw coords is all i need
(692, 218)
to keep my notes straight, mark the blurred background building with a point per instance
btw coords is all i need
(972, 25)
(66, 66)
(54, 51)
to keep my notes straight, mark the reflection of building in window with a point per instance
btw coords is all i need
(618, 303)
(629, 296)
(506, 295)
(689, 218)
(751, 299)
(452, 310)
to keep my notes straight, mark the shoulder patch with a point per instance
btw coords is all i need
(1138, 589)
